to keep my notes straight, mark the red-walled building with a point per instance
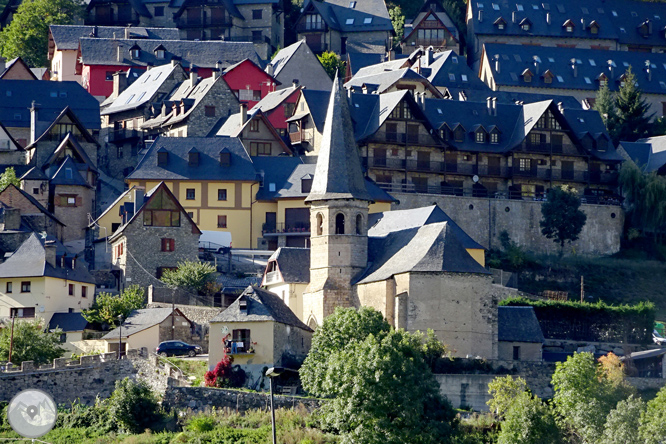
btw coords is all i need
(99, 58)
(249, 82)
(278, 106)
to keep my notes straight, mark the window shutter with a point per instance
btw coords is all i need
(173, 244)
(164, 241)
(79, 201)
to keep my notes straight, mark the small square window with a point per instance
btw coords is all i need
(367, 20)
(221, 221)
(84, 291)
(349, 22)
(25, 287)
(256, 14)
(190, 194)
(35, 191)
(9, 287)
(254, 125)
(222, 194)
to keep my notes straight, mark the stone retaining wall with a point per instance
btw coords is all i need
(205, 398)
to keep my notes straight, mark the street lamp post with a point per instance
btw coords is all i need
(272, 373)
(120, 335)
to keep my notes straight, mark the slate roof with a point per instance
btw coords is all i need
(292, 264)
(359, 60)
(68, 174)
(514, 97)
(646, 354)
(29, 260)
(142, 90)
(381, 82)
(68, 322)
(203, 54)
(450, 70)
(648, 154)
(590, 64)
(430, 248)
(31, 199)
(283, 56)
(142, 319)
(52, 97)
(209, 168)
(338, 174)
(518, 324)
(66, 37)
(367, 15)
(317, 103)
(274, 99)
(381, 224)
(263, 306)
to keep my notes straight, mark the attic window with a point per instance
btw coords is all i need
(519, 7)
(135, 52)
(500, 25)
(306, 184)
(159, 54)
(242, 304)
(594, 28)
(527, 76)
(162, 158)
(454, 60)
(525, 26)
(68, 173)
(452, 77)
(349, 22)
(463, 77)
(225, 158)
(494, 136)
(496, 7)
(352, 5)
(367, 21)
(193, 158)
(480, 136)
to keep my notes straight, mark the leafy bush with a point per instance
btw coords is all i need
(31, 343)
(586, 321)
(82, 416)
(225, 374)
(201, 423)
(107, 307)
(133, 406)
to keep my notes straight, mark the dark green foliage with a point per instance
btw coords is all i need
(653, 420)
(9, 178)
(31, 343)
(605, 105)
(27, 34)
(133, 406)
(633, 120)
(108, 307)
(201, 423)
(562, 218)
(529, 421)
(81, 416)
(332, 64)
(623, 421)
(592, 321)
(645, 199)
(194, 276)
(398, 20)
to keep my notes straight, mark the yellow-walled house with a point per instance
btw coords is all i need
(287, 275)
(259, 331)
(40, 279)
(259, 200)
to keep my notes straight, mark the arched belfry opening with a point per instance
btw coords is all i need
(359, 224)
(320, 224)
(340, 223)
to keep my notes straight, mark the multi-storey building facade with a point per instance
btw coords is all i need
(432, 26)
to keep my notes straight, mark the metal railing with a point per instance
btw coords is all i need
(311, 27)
(198, 22)
(287, 227)
(402, 138)
(124, 134)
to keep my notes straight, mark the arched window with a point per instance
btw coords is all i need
(359, 224)
(340, 223)
(320, 224)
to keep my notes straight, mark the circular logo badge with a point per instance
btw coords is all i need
(32, 413)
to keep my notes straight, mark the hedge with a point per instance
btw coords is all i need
(592, 322)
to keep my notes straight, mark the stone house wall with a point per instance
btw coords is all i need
(290, 344)
(74, 217)
(529, 351)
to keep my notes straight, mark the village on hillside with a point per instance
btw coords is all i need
(391, 221)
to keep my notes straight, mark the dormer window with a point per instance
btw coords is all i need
(306, 183)
(459, 134)
(525, 25)
(135, 52)
(602, 144)
(162, 157)
(594, 27)
(225, 158)
(242, 304)
(494, 136)
(527, 76)
(603, 80)
(568, 26)
(193, 157)
(548, 76)
(160, 52)
(480, 136)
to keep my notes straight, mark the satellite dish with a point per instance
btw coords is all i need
(475, 178)
(41, 309)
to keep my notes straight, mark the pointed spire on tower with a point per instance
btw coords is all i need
(338, 174)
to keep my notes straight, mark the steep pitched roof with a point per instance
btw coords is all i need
(370, 15)
(68, 322)
(387, 222)
(209, 167)
(274, 99)
(283, 56)
(69, 141)
(338, 174)
(381, 82)
(29, 260)
(203, 54)
(262, 305)
(292, 264)
(317, 103)
(232, 127)
(14, 64)
(31, 199)
(649, 154)
(518, 324)
(68, 174)
(143, 319)
(430, 248)
(66, 37)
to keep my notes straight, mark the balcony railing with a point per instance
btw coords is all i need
(420, 165)
(311, 27)
(272, 277)
(198, 22)
(402, 138)
(430, 42)
(300, 137)
(240, 347)
(121, 135)
(480, 192)
(547, 148)
(296, 228)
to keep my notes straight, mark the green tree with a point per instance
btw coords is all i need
(398, 21)
(563, 219)
(504, 390)
(623, 422)
(633, 120)
(332, 64)
(645, 199)
(108, 307)
(133, 406)
(190, 275)
(529, 421)
(27, 34)
(584, 396)
(381, 388)
(31, 343)
(605, 105)
(9, 178)
(653, 420)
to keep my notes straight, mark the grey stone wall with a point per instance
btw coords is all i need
(222, 99)
(484, 219)
(75, 218)
(205, 398)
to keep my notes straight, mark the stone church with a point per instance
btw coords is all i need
(417, 273)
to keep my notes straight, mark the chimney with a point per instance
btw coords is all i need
(649, 22)
(174, 61)
(560, 107)
(480, 15)
(2, 64)
(193, 76)
(648, 70)
(50, 253)
(62, 260)
(610, 70)
(536, 65)
(494, 106)
(497, 63)
(489, 104)
(139, 193)
(217, 72)
(127, 33)
(94, 32)
(582, 22)
(270, 69)
(243, 113)
(34, 117)
(429, 56)
(514, 16)
(548, 18)
(574, 67)
(149, 66)
(294, 83)
(119, 83)
(119, 56)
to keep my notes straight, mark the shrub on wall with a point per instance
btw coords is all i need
(594, 322)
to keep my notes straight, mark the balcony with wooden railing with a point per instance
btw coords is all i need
(301, 136)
